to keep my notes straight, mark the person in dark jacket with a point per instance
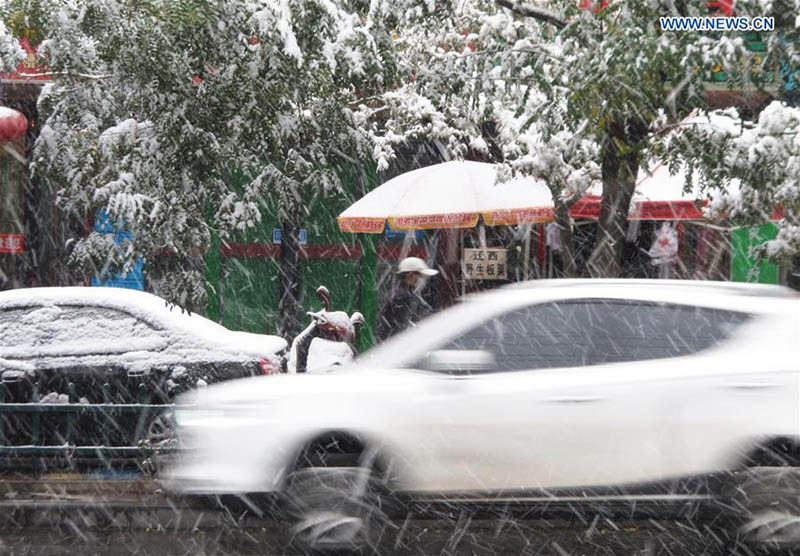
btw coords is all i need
(404, 306)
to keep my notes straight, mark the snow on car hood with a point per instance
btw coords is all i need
(256, 345)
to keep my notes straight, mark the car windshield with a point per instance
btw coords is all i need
(400, 277)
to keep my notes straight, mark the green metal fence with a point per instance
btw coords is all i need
(106, 431)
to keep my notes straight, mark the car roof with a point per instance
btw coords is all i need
(145, 306)
(690, 286)
(737, 296)
(75, 295)
(761, 299)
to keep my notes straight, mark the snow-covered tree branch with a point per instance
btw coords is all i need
(504, 81)
(752, 166)
(206, 109)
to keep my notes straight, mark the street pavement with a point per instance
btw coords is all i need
(440, 537)
(72, 515)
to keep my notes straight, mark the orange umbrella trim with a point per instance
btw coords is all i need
(360, 225)
(508, 217)
(432, 221)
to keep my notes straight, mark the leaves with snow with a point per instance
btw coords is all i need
(178, 117)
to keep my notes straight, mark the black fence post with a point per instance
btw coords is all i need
(108, 415)
(36, 418)
(141, 421)
(141, 396)
(71, 415)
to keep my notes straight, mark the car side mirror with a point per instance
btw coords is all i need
(460, 362)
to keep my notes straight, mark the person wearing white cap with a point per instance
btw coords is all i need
(404, 306)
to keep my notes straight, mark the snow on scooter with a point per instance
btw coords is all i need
(326, 343)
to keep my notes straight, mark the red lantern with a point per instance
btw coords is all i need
(13, 124)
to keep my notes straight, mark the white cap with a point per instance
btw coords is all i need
(414, 264)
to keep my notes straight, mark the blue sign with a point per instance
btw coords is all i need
(103, 225)
(133, 280)
(302, 236)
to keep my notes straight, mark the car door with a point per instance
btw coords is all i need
(745, 393)
(583, 394)
(491, 429)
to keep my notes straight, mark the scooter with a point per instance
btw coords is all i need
(327, 342)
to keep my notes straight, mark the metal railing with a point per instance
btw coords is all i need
(105, 430)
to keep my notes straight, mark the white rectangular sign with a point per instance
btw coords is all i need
(485, 264)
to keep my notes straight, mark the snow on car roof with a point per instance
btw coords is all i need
(145, 306)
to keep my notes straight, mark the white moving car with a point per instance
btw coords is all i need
(601, 389)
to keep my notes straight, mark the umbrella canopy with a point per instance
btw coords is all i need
(448, 195)
(659, 195)
(457, 194)
(519, 201)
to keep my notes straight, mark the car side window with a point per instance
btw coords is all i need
(50, 325)
(9, 326)
(581, 333)
(535, 337)
(100, 323)
(631, 331)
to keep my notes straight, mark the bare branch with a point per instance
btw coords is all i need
(546, 16)
(67, 74)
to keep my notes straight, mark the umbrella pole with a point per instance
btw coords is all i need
(461, 264)
(482, 235)
(408, 238)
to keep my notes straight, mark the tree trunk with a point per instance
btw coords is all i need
(619, 172)
(562, 220)
(289, 303)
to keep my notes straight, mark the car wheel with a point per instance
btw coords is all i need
(336, 508)
(761, 508)
(159, 440)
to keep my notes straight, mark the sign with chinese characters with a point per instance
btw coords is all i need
(12, 243)
(485, 264)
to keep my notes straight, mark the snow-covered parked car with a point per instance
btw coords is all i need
(550, 393)
(117, 346)
(90, 336)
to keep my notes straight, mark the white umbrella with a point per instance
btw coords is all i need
(519, 201)
(448, 195)
(457, 194)
(659, 195)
